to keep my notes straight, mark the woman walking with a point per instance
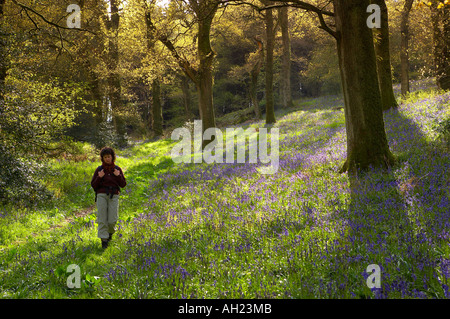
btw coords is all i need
(107, 181)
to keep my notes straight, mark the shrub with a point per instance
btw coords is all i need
(20, 180)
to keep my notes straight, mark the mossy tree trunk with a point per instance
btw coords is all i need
(156, 109)
(441, 44)
(444, 77)
(3, 55)
(285, 81)
(156, 105)
(366, 138)
(114, 91)
(113, 56)
(404, 47)
(381, 37)
(270, 39)
(254, 72)
(205, 14)
(187, 101)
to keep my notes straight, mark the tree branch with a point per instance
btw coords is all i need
(325, 27)
(27, 8)
(308, 7)
(299, 4)
(292, 3)
(182, 62)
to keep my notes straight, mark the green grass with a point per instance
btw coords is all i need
(218, 231)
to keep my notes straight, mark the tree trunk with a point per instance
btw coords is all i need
(112, 60)
(3, 55)
(186, 96)
(285, 83)
(97, 96)
(270, 37)
(366, 138)
(204, 82)
(205, 11)
(156, 106)
(254, 72)
(381, 37)
(441, 44)
(404, 48)
(444, 77)
(157, 120)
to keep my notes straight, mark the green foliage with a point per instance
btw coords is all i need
(20, 179)
(33, 118)
(323, 71)
(35, 113)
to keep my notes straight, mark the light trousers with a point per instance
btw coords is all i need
(107, 214)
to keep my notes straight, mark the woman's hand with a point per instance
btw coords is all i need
(101, 173)
(116, 172)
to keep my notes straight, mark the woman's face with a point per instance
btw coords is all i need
(107, 158)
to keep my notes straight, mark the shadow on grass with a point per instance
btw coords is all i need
(395, 220)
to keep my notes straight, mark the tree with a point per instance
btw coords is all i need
(112, 22)
(440, 14)
(156, 109)
(285, 81)
(186, 95)
(404, 50)
(270, 39)
(204, 12)
(3, 56)
(256, 61)
(381, 37)
(366, 138)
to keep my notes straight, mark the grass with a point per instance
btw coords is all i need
(226, 231)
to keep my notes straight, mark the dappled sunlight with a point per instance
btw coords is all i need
(305, 231)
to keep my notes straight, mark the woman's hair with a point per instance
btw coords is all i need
(108, 151)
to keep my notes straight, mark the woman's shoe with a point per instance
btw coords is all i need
(104, 244)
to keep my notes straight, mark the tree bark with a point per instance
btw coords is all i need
(270, 38)
(404, 47)
(254, 72)
(205, 13)
(97, 96)
(3, 55)
(112, 60)
(441, 44)
(157, 119)
(186, 96)
(156, 106)
(381, 37)
(366, 138)
(113, 56)
(444, 77)
(285, 83)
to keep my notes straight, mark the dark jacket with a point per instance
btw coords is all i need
(104, 184)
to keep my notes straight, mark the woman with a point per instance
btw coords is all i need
(107, 180)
